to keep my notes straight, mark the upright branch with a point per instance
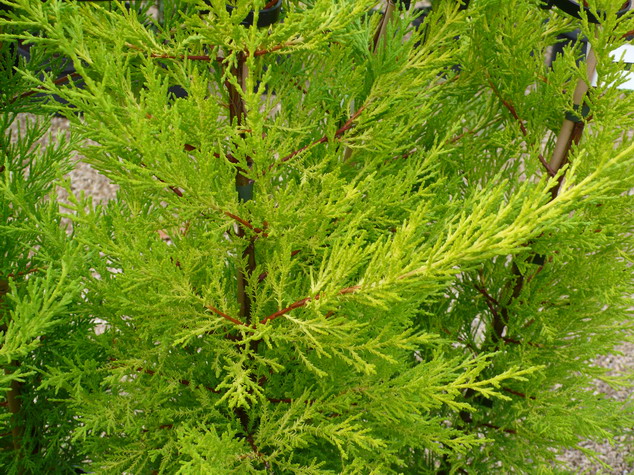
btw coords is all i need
(15, 406)
(244, 185)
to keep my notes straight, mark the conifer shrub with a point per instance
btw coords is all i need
(353, 246)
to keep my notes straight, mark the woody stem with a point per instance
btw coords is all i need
(244, 186)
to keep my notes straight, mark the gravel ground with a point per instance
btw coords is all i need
(619, 456)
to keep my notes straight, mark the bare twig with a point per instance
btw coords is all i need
(304, 302)
(225, 316)
(170, 56)
(517, 393)
(39, 89)
(26, 272)
(246, 223)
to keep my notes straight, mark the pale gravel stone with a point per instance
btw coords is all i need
(83, 177)
(620, 456)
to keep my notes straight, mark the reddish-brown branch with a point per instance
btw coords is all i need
(254, 447)
(304, 302)
(459, 137)
(247, 224)
(23, 273)
(517, 393)
(345, 127)
(14, 402)
(511, 108)
(243, 222)
(299, 87)
(57, 82)
(225, 316)
(293, 306)
(169, 56)
(532, 276)
(262, 52)
(235, 217)
(491, 303)
(174, 189)
(178, 192)
(350, 290)
(486, 294)
(207, 58)
(451, 141)
(513, 112)
(191, 57)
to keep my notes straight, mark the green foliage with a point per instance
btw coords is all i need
(39, 285)
(408, 291)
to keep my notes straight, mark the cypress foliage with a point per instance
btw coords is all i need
(39, 288)
(353, 247)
